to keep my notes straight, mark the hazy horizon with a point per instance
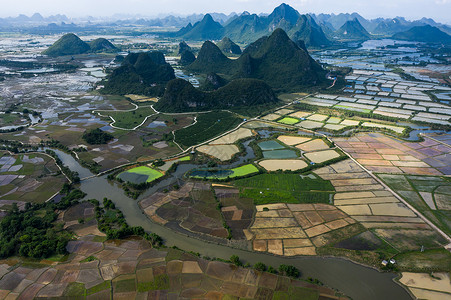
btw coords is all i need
(410, 9)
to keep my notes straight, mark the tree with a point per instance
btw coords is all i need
(260, 266)
(236, 260)
(287, 270)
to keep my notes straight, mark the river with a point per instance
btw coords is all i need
(356, 281)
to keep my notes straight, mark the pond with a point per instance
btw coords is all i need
(280, 154)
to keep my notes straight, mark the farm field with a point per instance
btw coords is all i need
(28, 178)
(430, 195)
(194, 208)
(286, 188)
(292, 140)
(366, 201)
(208, 126)
(322, 156)
(288, 121)
(221, 152)
(128, 119)
(298, 229)
(424, 286)
(131, 268)
(140, 175)
(223, 173)
(233, 137)
(284, 165)
(382, 154)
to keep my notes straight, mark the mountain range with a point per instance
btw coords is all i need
(247, 28)
(275, 59)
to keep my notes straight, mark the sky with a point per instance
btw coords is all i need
(440, 10)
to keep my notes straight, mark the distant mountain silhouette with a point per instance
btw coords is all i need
(353, 30)
(426, 33)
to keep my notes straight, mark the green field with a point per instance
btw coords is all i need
(140, 175)
(224, 174)
(208, 126)
(185, 158)
(287, 188)
(244, 170)
(414, 189)
(289, 121)
(129, 119)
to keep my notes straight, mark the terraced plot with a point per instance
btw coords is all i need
(383, 154)
(140, 175)
(131, 268)
(296, 229)
(233, 137)
(221, 152)
(284, 165)
(430, 195)
(366, 201)
(289, 121)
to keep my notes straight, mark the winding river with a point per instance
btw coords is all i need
(356, 281)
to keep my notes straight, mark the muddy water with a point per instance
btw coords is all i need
(354, 280)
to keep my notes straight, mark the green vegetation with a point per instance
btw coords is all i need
(33, 232)
(286, 188)
(353, 30)
(208, 126)
(434, 260)
(106, 285)
(289, 121)
(160, 282)
(206, 29)
(426, 33)
(144, 73)
(410, 187)
(102, 45)
(129, 119)
(228, 46)
(296, 293)
(224, 174)
(97, 136)
(290, 271)
(68, 44)
(276, 60)
(182, 96)
(151, 174)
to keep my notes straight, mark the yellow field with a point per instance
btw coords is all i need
(221, 152)
(292, 140)
(275, 164)
(322, 156)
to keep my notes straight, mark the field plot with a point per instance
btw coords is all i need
(131, 268)
(334, 127)
(280, 154)
(300, 114)
(310, 124)
(377, 125)
(322, 156)
(233, 137)
(315, 145)
(366, 201)
(317, 117)
(383, 154)
(208, 126)
(430, 195)
(288, 188)
(425, 286)
(237, 211)
(289, 121)
(196, 213)
(28, 178)
(270, 145)
(223, 173)
(292, 140)
(140, 175)
(140, 98)
(221, 152)
(128, 119)
(297, 229)
(284, 165)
